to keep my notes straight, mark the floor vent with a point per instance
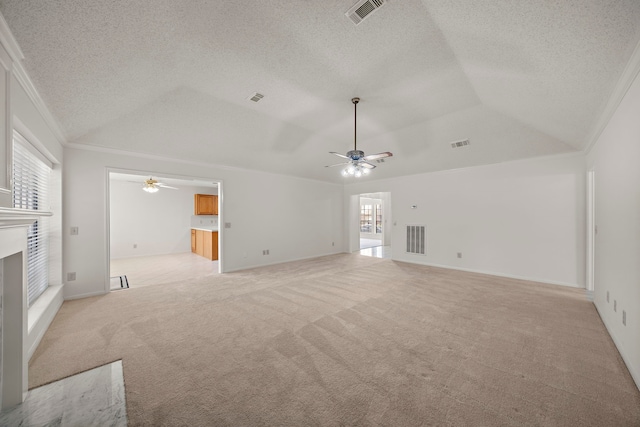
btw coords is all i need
(363, 9)
(458, 144)
(416, 239)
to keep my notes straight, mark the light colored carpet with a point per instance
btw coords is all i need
(348, 340)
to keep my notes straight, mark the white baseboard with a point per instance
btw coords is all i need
(41, 314)
(87, 295)
(492, 273)
(249, 267)
(620, 347)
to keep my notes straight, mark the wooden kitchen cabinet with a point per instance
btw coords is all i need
(205, 243)
(205, 204)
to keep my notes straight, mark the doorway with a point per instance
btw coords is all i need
(150, 232)
(373, 213)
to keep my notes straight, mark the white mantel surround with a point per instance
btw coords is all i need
(13, 303)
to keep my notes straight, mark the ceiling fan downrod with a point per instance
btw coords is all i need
(355, 122)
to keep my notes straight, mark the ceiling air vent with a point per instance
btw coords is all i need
(363, 9)
(379, 160)
(256, 97)
(459, 144)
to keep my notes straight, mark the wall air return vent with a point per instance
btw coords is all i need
(363, 9)
(459, 144)
(256, 97)
(416, 239)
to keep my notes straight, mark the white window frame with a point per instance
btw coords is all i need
(31, 182)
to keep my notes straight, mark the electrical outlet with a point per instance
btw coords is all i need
(607, 296)
(459, 254)
(624, 317)
(135, 246)
(227, 225)
(71, 276)
(615, 305)
(74, 231)
(333, 243)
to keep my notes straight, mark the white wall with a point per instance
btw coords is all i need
(293, 218)
(522, 219)
(157, 223)
(615, 160)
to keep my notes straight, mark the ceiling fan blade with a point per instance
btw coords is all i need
(159, 184)
(367, 165)
(339, 155)
(378, 156)
(337, 164)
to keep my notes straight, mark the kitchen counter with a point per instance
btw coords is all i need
(205, 228)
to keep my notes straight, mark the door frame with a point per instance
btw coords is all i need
(592, 231)
(143, 173)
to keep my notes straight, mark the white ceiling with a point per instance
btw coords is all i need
(173, 78)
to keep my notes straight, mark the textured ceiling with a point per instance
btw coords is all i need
(519, 79)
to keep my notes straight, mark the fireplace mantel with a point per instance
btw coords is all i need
(11, 217)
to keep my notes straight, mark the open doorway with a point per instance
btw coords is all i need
(374, 231)
(152, 221)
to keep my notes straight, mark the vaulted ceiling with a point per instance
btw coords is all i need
(174, 78)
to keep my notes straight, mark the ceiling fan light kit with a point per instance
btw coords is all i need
(152, 186)
(358, 164)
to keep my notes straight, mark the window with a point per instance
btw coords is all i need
(366, 216)
(31, 179)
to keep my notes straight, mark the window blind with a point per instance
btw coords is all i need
(31, 175)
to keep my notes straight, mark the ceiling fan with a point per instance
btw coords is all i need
(358, 164)
(151, 186)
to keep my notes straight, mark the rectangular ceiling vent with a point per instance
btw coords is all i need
(379, 160)
(256, 97)
(363, 9)
(416, 239)
(459, 144)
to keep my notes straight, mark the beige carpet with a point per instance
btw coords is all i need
(348, 340)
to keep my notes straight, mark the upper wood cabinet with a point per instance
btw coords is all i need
(205, 204)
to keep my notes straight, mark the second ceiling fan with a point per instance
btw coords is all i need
(358, 164)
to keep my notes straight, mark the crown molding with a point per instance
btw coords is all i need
(11, 45)
(120, 152)
(625, 81)
(9, 42)
(23, 78)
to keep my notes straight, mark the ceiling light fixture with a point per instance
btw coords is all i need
(358, 164)
(152, 186)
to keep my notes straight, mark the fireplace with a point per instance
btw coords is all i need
(13, 303)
